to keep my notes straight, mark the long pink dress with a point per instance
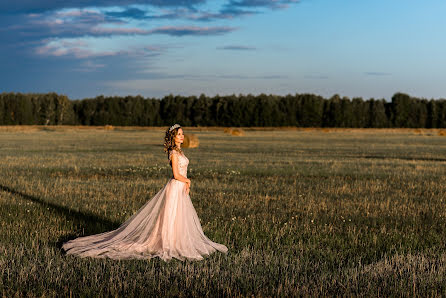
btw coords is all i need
(167, 226)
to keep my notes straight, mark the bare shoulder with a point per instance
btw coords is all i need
(173, 153)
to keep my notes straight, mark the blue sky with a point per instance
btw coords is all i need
(157, 47)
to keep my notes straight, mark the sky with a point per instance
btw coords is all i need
(80, 48)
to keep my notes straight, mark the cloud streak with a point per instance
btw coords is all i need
(156, 76)
(81, 50)
(32, 6)
(237, 48)
(131, 13)
(89, 23)
(191, 30)
(190, 14)
(316, 77)
(377, 74)
(272, 4)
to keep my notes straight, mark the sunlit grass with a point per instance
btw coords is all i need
(302, 211)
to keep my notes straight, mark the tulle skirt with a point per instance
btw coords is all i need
(167, 226)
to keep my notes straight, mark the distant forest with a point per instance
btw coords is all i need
(302, 110)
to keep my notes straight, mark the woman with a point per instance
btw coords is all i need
(167, 226)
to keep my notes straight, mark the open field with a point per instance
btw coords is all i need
(303, 211)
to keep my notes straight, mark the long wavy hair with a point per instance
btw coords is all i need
(169, 140)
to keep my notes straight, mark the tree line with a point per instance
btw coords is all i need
(302, 110)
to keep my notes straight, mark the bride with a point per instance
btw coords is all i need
(167, 226)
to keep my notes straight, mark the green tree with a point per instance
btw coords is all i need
(377, 114)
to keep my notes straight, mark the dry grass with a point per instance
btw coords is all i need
(303, 212)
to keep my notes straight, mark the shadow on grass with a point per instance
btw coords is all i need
(91, 223)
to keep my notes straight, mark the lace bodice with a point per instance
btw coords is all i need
(183, 162)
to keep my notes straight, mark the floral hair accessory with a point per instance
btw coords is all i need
(174, 126)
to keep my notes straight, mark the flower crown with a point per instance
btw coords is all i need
(174, 126)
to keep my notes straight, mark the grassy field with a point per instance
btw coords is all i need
(303, 212)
